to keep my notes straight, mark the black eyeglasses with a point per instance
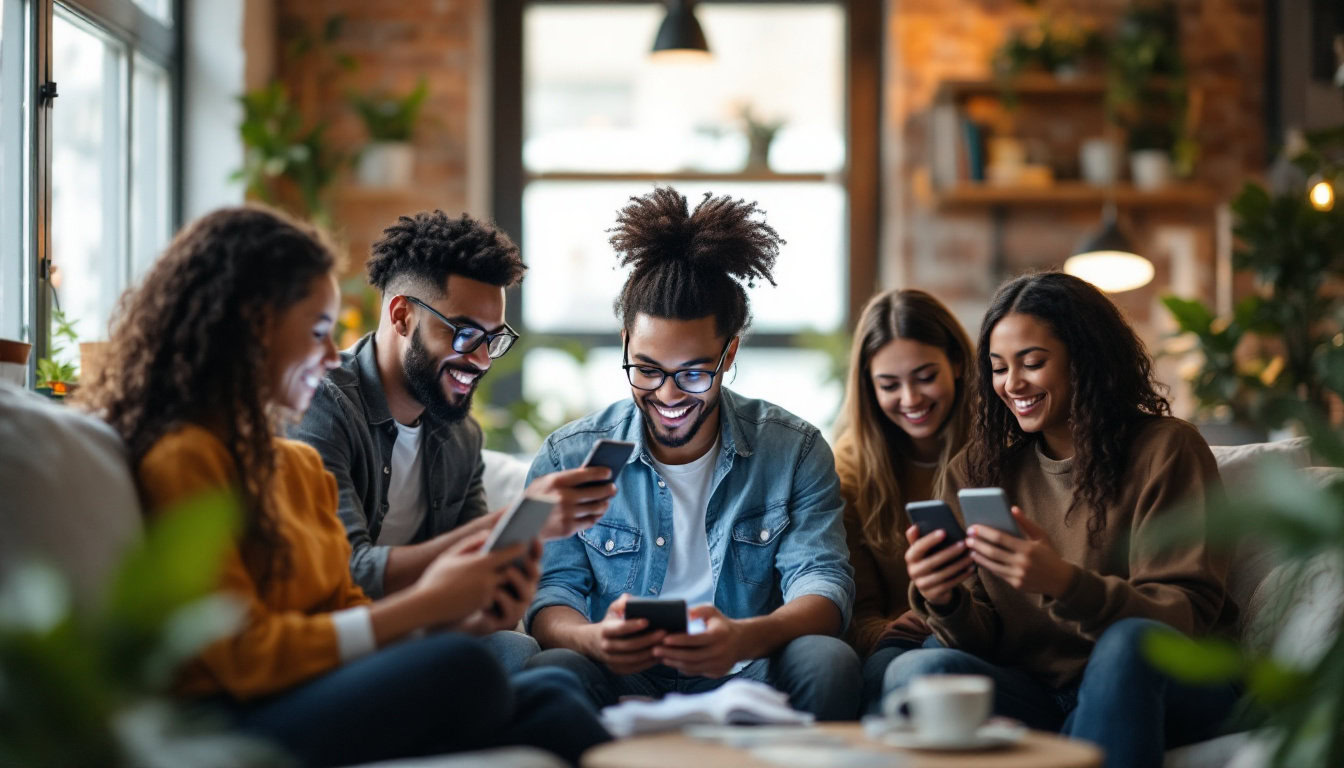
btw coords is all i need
(690, 380)
(466, 338)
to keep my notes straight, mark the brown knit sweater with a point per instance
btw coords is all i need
(1171, 471)
(881, 602)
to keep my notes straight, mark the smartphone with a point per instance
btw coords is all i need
(988, 507)
(667, 615)
(612, 454)
(522, 523)
(929, 516)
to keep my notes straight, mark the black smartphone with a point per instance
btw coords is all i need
(612, 454)
(929, 516)
(667, 615)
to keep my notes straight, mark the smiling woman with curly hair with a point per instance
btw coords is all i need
(230, 329)
(1073, 427)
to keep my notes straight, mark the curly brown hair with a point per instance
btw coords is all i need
(1114, 391)
(190, 350)
(692, 264)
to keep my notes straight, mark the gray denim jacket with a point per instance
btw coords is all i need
(350, 426)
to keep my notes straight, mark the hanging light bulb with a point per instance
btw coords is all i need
(1107, 259)
(1321, 194)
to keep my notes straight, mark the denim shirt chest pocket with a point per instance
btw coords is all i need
(613, 553)
(756, 540)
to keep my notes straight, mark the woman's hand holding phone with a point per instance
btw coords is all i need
(935, 574)
(1030, 564)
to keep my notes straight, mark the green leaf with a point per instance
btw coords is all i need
(1190, 314)
(1272, 683)
(1202, 661)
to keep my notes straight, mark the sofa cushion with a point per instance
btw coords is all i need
(69, 498)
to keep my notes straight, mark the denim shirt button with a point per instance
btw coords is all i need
(659, 541)
(765, 535)
(662, 484)
(387, 470)
(610, 545)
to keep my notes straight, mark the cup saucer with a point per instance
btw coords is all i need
(994, 734)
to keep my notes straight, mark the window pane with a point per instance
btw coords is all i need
(13, 253)
(159, 9)
(594, 101)
(572, 276)
(151, 182)
(88, 178)
(797, 380)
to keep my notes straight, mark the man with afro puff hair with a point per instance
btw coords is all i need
(728, 503)
(392, 421)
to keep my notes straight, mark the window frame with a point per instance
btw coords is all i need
(142, 35)
(864, 36)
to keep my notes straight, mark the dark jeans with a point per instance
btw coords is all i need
(438, 694)
(819, 673)
(1122, 704)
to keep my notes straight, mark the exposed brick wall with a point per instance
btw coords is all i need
(393, 44)
(949, 251)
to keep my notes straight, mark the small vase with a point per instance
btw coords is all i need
(386, 164)
(1150, 168)
(14, 361)
(1098, 159)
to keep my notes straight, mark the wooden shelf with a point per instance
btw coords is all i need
(969, 195)
(1035, 85)
(749, 176)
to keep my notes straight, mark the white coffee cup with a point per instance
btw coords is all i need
(944, 709)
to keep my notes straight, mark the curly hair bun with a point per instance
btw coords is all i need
(681, 258)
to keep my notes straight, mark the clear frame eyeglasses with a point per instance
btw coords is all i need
(466, 338)
(689, 380)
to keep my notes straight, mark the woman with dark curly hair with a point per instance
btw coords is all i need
(907, 412)
(230, 329)
(1077, 432)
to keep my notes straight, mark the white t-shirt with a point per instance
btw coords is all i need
(688, 573)
(405, 490)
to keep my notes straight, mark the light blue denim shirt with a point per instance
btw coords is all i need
(773, 520)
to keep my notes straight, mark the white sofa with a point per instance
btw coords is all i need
(1257, 582)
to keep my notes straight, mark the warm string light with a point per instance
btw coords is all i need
(1322, 195)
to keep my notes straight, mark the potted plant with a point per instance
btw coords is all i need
(389, 158)
(760, 134)
(281, 154)
(56, 377)
(1147, 96)
(1287, 339)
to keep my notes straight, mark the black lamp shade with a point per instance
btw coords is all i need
(1109, 238)
(680, 31)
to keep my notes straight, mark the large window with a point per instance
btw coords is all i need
(92, 124)
(768, 119)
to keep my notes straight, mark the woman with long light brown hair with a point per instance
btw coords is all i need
(907, 412)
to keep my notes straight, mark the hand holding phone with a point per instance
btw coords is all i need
(936, 559)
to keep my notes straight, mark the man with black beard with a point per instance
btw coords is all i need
(392, 421)
(729, 503)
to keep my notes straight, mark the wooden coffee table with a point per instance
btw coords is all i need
(673, 750)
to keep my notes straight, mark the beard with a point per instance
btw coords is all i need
(708, 407)
(422, 377)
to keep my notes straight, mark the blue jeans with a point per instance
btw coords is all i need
(1122, 704)
(511, 649)
(874, 670)
(819, 673)
(438, 694)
